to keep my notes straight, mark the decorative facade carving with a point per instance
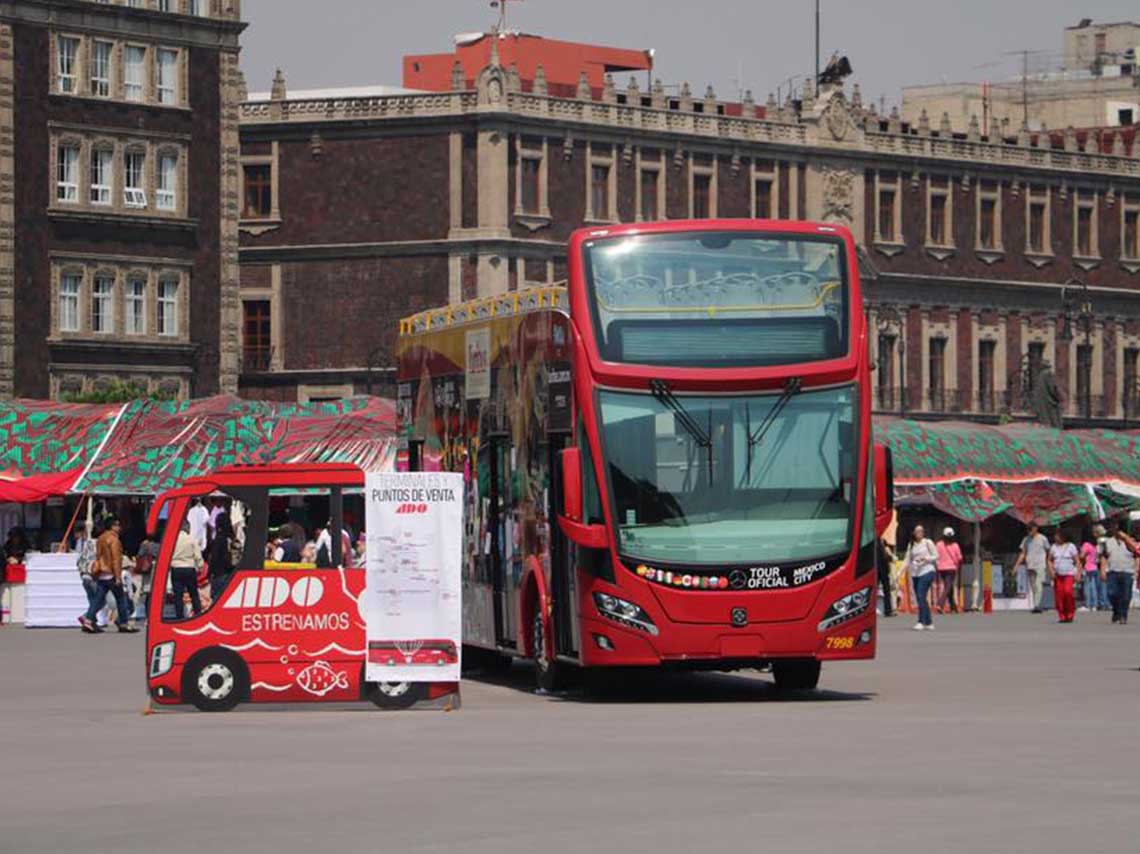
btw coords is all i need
(839, 195)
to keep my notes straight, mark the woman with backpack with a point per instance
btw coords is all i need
(921, 564)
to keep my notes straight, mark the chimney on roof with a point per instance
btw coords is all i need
(277, 90)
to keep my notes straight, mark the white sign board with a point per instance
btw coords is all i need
(414, 563)
(478, 364)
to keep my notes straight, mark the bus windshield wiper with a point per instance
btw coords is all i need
(664, 395)
(791, 389)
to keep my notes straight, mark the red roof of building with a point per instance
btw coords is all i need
(562, 62)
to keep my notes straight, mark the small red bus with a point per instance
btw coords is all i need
(275, 632)
(669, 460)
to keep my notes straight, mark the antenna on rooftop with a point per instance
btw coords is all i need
(501, 5)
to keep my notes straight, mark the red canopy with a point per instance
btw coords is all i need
(37, 487)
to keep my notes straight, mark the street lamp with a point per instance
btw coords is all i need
(1075, 301)
(889, 321)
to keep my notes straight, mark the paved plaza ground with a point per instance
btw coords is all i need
(1005, 733)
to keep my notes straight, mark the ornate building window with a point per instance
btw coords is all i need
(1130, 230)
(135, 305)
(888, 214)
(257, 335)
(134, 72)
(167, 75)
(257, 186)
(166, 182)
(67, 64)
(988, 234)
(70, 286)
(103, 303)
(650, 186)
(101, 68)
(939, 213)
(166, 318)
(1038, 237)
(702, 187)
(67, 173)
(134, 178)
(601, 183)
(1086, 240)
(765, 190)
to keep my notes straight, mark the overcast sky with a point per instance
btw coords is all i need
(732, 44)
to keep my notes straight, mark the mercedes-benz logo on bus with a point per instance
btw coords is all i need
(738, 578)
(739, 617)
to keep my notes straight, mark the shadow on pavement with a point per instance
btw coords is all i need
(655, 686)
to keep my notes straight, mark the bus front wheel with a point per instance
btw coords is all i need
(796, 675)
(215, 680)
(550, 674)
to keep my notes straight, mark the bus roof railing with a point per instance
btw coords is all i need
(542, 298)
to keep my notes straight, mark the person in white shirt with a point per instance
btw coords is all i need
(1034, 554)
(1063, 558)
(921, 563)
(198, 517)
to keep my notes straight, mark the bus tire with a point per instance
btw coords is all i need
(215, 680)
(796, 674)
(550, 675)
(396, 695)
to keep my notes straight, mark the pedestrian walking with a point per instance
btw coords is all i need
(1101, 534)
(1063, 559)
(1090, 576)
(1117, 568)
(184, 565)
(108, 575)
(85, 563)
(1034, 554)
(885, 558)
(921, 563)
(949, 562)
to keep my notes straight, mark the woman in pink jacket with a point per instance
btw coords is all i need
(949, 562)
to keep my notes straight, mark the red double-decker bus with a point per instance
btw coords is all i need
(669, 461)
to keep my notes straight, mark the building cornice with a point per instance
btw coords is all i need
(110, 19)
(832, 129)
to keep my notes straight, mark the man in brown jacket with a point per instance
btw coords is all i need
(108, 576)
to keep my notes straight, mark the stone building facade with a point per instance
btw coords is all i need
(118, 196)
(361, 209)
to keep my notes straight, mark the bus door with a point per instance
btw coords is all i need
(503, 526)
(563, 560)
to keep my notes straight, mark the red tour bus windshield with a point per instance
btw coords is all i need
(725, 479)
(718, 299)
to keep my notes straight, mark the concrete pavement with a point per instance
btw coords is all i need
(1006, 733)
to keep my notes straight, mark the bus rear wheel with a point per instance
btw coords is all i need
(396, 695)
(215, 680)
(796, 675)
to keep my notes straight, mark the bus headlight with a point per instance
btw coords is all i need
(847, 608)
(626, 613)
(161, 659)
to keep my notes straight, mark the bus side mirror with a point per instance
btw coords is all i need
(570, 521)
(884, 488)
(572, 484)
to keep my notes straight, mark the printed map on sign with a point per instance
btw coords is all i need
(414, 558)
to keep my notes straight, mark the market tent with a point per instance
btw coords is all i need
(41, 437)
(37, 487)
(145, 447)
(156, 446)
(939, 452)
